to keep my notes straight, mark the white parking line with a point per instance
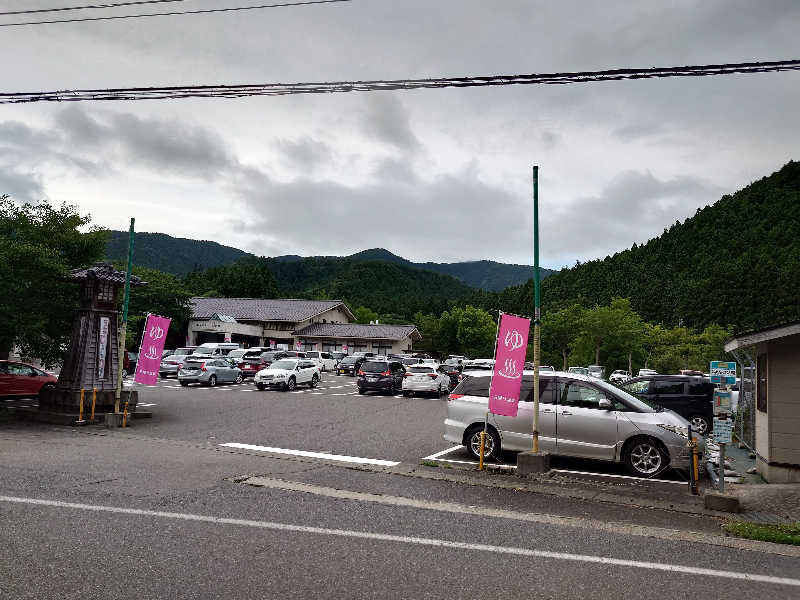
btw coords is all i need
(443, 452)
(603, 560)
(146, 404)
(611, 475)
(307, 454)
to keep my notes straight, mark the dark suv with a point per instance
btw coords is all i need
(383, 375)
(689, 396)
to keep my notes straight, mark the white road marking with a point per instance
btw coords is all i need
(307, 454)
(443, 452)
(146, 404)
(420, 541)
(619, 476)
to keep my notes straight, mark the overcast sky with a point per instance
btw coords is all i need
(441, 175)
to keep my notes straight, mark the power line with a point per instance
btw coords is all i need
(331, 87)
(177, 12)
(89, 6)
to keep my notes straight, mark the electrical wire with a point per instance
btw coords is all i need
(285, 89)
(89, 6)
(177, 12)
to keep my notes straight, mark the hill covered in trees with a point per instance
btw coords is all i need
(734, 263)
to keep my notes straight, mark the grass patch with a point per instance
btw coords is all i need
(782, 533)
(430, 463)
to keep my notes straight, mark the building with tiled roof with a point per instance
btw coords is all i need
(355, 337)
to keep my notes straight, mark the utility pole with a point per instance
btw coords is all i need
(536, 309)
(124, 325)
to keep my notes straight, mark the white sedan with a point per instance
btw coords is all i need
(426, 378)
(287, 374)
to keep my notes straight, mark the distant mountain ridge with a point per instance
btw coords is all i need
(179, 256)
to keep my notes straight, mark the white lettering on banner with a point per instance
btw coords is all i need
(102, 347)
(510, 370)
(513, 340)
(151, 352)
(156, 332)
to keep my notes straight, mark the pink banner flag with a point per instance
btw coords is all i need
(509, 361)
(153, 338)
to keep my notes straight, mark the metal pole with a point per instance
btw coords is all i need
(124, 326)
(536, 309)
(721, 467)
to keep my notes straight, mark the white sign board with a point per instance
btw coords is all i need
(102, 347)
(722, 402)
(722, 430)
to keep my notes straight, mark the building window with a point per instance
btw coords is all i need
(761, 383)
(381, 349)
(331, 347)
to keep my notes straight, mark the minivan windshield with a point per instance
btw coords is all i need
(375, 367)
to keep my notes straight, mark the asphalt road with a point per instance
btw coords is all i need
(162, 510)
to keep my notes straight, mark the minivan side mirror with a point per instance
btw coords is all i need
(605, 404)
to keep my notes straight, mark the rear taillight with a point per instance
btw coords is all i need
(360, 372)
(386, 373)
(406, 374)
(203, 367)
(241, 365)
(455, 396)
(434, 375)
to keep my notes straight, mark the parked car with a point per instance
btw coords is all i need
(170, 365)
(548, 368)
(619, 376)
(350, 365)
(208, 371)
(479, 364)
(252, 361)
(689, 396)
(428, 379)
(579, 371)
(129, 361)
(294, 353)
(325, 360)
(21, 380)
(597, 371)
(338, 356)
(215, 349)
(381, 375)
(410, 360)
(165, 353)
(287, 374)
(643, 372)
(579, 416)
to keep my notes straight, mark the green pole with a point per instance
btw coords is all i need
(123, 328)
(536, 309)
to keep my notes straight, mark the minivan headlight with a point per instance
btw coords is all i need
(676, 429)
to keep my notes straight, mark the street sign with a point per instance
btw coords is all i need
(723, 372)
(722, 430)
(722, 402)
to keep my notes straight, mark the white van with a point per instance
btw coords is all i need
(215, 349)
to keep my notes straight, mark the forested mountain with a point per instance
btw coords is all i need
(170, 254)
(482, 274)
(385, 287)
(736, 263)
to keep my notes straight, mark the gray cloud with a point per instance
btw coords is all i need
(387, 120)
(305, 152)
(633, 207)
(22, 187)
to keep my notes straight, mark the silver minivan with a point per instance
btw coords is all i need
(579, 416)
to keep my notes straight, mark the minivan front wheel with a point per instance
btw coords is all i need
(491, 446)
(645, 458)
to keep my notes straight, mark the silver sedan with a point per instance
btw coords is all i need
(209, 371)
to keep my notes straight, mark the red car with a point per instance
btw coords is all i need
(18, 380)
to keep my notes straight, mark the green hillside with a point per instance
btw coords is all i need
(170, 254)
(385, 287)
(736, 262)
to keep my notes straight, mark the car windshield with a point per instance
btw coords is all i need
(348, 360)
(312, 354)
(236, 353)
(375, 367)
(183, 351)
(410, 361)
(284, 364)
(421, 369)
(637, 403)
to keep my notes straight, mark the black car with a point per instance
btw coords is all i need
(349, 365)
(381, 375)
(690, 396)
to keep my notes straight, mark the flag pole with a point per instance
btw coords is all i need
(536, 309)
(123, 328)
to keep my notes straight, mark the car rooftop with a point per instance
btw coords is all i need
(576, 376)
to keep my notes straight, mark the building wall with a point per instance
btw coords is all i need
(783, 400)
(354, 345)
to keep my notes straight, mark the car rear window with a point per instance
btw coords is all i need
(420, 369)
(375, 367)
(473, 386)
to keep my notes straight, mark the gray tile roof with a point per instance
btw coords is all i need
(355, 330)
(258, 309)
(106, 272)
